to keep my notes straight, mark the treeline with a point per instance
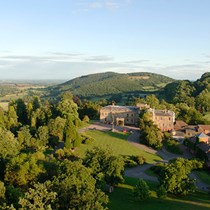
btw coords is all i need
(39, 165)
(8, 89)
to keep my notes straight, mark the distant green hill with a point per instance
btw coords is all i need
(109, 84)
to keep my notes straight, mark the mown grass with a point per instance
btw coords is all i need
(204, 176)
(117, 142)
(122, 199)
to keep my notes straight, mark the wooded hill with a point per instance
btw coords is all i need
(194, 94)
(105, 85)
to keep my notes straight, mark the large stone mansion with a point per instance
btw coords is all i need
(129, 115)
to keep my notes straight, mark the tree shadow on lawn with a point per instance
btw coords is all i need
(122, 199)
(200, 196)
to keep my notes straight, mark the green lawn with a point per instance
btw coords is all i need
(117, 142)
(204, 176)
(122, 199)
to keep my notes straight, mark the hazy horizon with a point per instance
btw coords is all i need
(68, 79)
(62, 40)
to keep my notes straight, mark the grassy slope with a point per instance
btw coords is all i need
(122, 199)
(117, 142)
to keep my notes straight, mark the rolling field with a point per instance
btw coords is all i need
(117, 142)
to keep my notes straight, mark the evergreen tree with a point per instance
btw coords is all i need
(71, 136)
(141, 191)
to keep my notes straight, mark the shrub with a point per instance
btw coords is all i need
(141, 191)
(161, 192)
(129, 162)
(140, 160)
(86, 119)
(132, 161)
(86, 139)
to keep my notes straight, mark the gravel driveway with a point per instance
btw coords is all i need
(139, 171)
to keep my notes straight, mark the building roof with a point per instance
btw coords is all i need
(201, 135)
(198, 135)
(203, 127)
(191, 127)
(114, 108)
(179, 124)
(162, 112)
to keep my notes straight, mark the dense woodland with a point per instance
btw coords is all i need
(193, 94)
(40, 168)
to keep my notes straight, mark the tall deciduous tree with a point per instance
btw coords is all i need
(24, 168)
(77, 188)
(176, 178)
(9, 145)
(40, 196)
(106, 167)
(12, 117)
(56, 127)
(67, 106)
(150, 134)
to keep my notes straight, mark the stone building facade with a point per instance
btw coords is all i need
(120, 115)
(164, 119)
(129, 115)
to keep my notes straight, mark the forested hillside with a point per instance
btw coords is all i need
(194, 94)
(109, 84)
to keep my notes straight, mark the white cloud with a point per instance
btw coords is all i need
(95, 5)
(137, 61)
(103, 4)
(100, 58)
(62, 65)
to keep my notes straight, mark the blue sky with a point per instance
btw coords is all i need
(63, 39)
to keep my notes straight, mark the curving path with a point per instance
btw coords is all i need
(139, 171)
